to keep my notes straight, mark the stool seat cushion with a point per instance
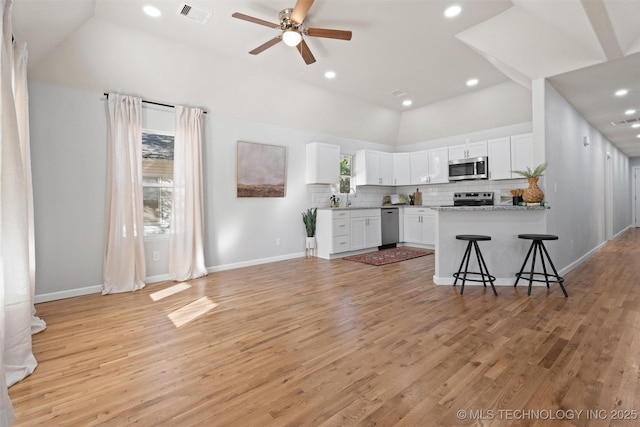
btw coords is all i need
(537, 236)
(472, 237)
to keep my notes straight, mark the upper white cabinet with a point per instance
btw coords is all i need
(468, 150)
(419, 167)
(373, 168)
(521, 152)
(401, 168)
(323, 163)
(499, 158)
(438, 165)
(508, 154)
(430, 166)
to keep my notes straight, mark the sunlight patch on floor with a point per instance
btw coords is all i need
(191, 311)
(171, 290)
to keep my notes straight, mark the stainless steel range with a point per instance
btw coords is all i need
(484, 198)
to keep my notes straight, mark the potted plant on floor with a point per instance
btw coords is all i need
(533, 194)
(309, 219)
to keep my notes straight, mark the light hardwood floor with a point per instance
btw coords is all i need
(325, 343)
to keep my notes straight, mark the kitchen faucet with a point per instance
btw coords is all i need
(354, 195)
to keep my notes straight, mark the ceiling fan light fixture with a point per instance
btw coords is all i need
(291, 37)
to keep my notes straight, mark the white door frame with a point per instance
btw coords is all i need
(635, 198)
(608, 196)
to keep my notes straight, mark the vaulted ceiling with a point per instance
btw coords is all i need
(400, 49)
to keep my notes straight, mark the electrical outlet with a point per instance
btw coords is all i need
(156, 255)
(278, 241)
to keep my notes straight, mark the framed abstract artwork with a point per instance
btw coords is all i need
(261, 170)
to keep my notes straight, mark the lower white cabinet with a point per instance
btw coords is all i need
(419, 226)
(343, 230)
(366, 231)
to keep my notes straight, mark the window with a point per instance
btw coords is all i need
(345, 173)
(157, 181)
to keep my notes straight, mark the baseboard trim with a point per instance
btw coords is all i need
(252, 262)
(54, 296)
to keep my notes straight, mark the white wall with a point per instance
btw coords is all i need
(493, 107)
(577, 212)
(69, 137)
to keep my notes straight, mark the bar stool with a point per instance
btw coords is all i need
(484, 272)
(538, 247)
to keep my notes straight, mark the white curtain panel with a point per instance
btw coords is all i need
(124, 264)
(186, 249)
(21, 92)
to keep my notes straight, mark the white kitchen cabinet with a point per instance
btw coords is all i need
(323, 163)
(401, 168)
(333, 232)
(430, 166)
(468, 150)
(508, 154)
(521, 152)
(438, 165)
(419, 167)
(499, 158)
(366, 231)
(419, 226)
(373, 168)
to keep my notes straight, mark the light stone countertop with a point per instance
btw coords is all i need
(446, 208)
(489, 208)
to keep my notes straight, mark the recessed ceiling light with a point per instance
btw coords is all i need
(635, 125)
(452, 11)
(630, 112)
(472, 82)
(152, 11)
(407, 102)
(638, 135)
(622, 92)
(330, 74)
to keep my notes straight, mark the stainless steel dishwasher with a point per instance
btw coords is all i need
(390, 223)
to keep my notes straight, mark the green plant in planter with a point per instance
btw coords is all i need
(309, 219)
(536, 173)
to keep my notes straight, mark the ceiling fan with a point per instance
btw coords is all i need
(293, 30)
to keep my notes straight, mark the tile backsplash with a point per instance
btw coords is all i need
(432, 195)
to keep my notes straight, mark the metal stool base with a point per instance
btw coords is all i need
(483, 274)
(537, 247)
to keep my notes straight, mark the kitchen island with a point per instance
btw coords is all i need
(504, 253)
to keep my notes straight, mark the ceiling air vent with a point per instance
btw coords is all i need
(398, 93)
(626, 122)
(198, 15)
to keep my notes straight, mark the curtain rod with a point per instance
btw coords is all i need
(155, 103)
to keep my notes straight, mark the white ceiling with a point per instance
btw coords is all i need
(587, 49)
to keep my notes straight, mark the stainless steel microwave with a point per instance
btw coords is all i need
(474, 168)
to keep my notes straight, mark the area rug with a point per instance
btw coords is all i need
(388, 256)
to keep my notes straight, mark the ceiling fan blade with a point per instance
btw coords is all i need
(255, 20)
(300, 10)
(306, 53)
(329, 34)
(266, 45)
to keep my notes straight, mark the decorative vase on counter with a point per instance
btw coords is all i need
(533, 194)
